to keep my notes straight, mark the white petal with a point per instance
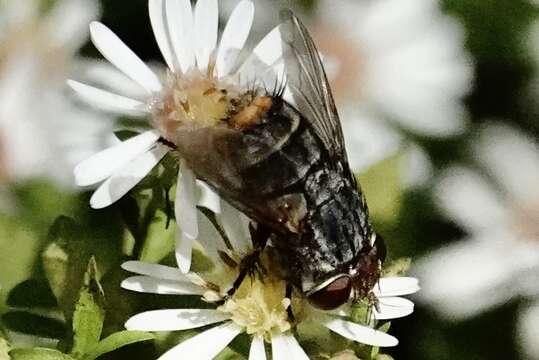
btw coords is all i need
(368, 139)
(185, 204)
(415, 167)
(186, 216)
(471, 276)
(115, 51)
(295, 349)
(499, 147)
(180, 26)
(257, 350)
(528, 330)
(393, 308)
(359, 333)
(109, 101)
(206, 345)
(265, 55)
(184, 250)
(396, 286)
(235, 225)
(66, 24)
(206, 25)
(103, 164)
(160, 30)
(279, 348)
(210, 238)
(154, 270)
(208, 198)
(107, 77)
(286, 347)
(234, 36)
(174, 319)
(146, 284)
(470, 200)
(127, 177)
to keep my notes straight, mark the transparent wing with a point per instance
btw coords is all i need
(307, 81)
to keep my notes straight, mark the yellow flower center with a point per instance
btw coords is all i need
(197, 100)
(260, 307)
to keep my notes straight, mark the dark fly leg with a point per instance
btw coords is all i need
(289, 291)
(259, 236)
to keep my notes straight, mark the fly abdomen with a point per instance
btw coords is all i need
(335, 229)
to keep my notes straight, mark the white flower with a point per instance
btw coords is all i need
(395, 64)
(188, 41)
(43, 134)
(500, 259)
(259, 307)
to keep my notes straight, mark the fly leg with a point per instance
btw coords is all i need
(289, 291)
(259, 236)
(372, 305)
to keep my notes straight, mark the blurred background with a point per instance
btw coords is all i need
(439, 102)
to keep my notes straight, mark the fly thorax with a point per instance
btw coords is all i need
(321, 185)
(197, 99)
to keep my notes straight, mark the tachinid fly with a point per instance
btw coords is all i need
(285, 166)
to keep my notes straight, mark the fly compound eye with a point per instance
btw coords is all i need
(333, 295)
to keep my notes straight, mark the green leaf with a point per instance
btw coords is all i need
(19, 246)
(383, 357)
(397, 267)
(382, 186)
(375, 352)
(32, 293)
(116, 341)
(38, 354)
(64, 263)
(123, 135)
(345, 355)
(89, 313)
(360, 312)
(4, 349)
(384, 327)
(33, 324)
(159, 240)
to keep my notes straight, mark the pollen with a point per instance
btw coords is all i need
(192, 99)
(197, 99)
(260, 308)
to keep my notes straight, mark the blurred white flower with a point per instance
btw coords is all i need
(42, 133)
(259, 308)
(198, 65)
(396, 65)
(500, 259)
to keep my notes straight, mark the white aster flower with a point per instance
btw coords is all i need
(259, 308)
(43, 134)
(395, 65)
(198, 65)
(500, 259)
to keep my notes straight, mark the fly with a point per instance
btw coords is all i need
(283, 163)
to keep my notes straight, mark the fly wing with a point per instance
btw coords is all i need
(308, 83)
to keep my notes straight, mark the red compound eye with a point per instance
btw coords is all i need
(333, 295)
